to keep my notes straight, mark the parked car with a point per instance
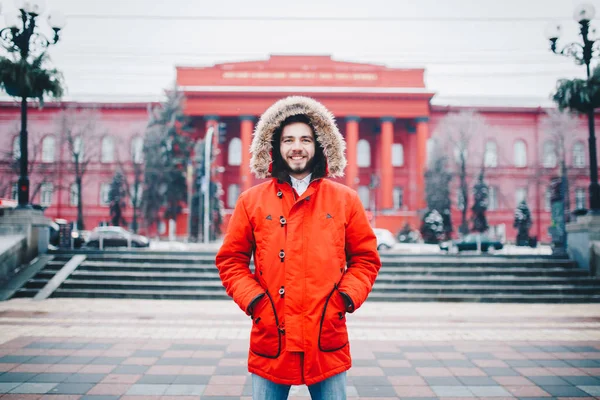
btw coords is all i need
(115, 236)
(385, 239)
(470, 242)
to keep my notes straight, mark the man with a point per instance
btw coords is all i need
(315, 254)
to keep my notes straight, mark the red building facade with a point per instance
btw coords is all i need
(385, 115)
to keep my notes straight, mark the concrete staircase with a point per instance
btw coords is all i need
(184, 275)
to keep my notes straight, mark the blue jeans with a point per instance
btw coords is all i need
(333, 388)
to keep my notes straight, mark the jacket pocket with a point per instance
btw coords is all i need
(333, 334)
(265, 337)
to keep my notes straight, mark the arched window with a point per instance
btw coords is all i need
(48, 149)
(46, 194)
(491, 154)
(108, 150)
(137, 150)
(549, 154)
(580, 198)
(520, 154)
(363, 151)
(78, 149)
(234, 152)
(233, 192)
(364, 195)
(397, 155)
(16, 148)
(579, 155)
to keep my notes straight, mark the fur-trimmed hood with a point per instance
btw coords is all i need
(323, 122)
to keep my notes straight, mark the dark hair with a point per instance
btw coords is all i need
(280, 168)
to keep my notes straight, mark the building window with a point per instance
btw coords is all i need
(520, 154)
(234, 153)
(14, 191)
(549, 155)
(492, 198)
(397, 155)
(104, 190)
(46, 194)
(490, 158)
(233, 192)
(107, 154)
(137, 150)
(78, 149)
(363, 151)
(548, 199)
(430, 148)
(365, 196)
(16, 148)
(580, 198)
(398, 197)
(48, 149)
(73, 195)
(579, 155)
(520, 195)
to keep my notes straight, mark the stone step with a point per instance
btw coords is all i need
(382, 278)
(407, 297)
(379, 287)
(409, 270)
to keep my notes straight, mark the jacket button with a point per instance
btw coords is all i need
(282, 291)
(280, 194)
(282, 221)
(282, 255)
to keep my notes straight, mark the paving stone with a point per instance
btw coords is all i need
(458, 363)
(442, 381)
(489, 391)
(480, 356)
(72, 388)
(85, 378)
(477, 381)
(592, 390)
(108, 360)
(184, 390)
(452, 391)
(582, 380)
(14, 359)
(564, 391)
(376, 391)
(130, 369)
(491, 371)
(548, 380)
(45, 377)
(522, 363)
(426, 363)
(157, 379)
(33, 388)
(147, 353)
(369, 380)
(147, 390)
(583, 363)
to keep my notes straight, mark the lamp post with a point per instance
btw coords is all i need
(20, 39)
(582, 53)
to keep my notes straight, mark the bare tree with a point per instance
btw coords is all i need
(134, 189)
(455, 132)
(558, 126)
(39, 172)
(80, 133)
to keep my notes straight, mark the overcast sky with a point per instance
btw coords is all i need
(127, 50)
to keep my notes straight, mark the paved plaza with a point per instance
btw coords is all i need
(147, 349)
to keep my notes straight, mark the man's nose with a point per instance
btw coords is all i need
(296, 145)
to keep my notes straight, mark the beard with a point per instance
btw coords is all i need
(300, 169)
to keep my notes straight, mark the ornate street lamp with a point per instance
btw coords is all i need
(21, 40)
(582, 53)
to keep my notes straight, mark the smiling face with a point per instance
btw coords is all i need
(297, 148)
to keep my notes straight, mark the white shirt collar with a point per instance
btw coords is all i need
(301, 184)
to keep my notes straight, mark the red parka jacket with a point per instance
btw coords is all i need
(307, 251)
